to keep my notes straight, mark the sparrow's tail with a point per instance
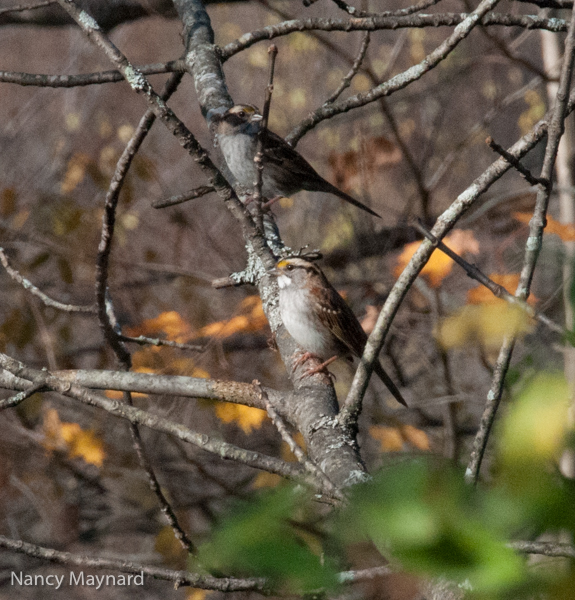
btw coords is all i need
(388, 383)
(352, 200)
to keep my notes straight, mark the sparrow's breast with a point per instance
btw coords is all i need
(239, 152)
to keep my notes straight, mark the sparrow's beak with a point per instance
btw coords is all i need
(274, 272)
(256, 117)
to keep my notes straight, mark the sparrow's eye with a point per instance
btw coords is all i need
(289, 268)
(241, 114)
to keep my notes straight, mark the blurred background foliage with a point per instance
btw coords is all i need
(69, 477)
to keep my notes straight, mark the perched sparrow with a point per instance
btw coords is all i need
(285, 170)
(318, 318)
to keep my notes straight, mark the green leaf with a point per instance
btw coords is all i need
(266, 538)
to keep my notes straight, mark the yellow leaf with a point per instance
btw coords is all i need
(339, 233)
(196, 594)
(75, 172)
(537, 422)
(258, 57)
(439, 265)
(125, 132)
(416, 37)
(487, 324)
(302, 42)
(71, 438)
(73, 121)
(298, 97)
(535, 111)
(246, 417)
(361, 83)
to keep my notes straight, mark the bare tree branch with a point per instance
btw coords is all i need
(532, 248)
(445, 222)
(29, 286)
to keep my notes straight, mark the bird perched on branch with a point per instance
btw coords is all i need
(285, 171)
(318, 318)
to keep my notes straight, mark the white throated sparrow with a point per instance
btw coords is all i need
(285, 171)
(318, 318)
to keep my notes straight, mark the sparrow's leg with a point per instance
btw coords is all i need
(322, 368)
(303, 357)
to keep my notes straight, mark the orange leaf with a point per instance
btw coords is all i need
(71, 438)
(391, 439)
(439, 265)
(416, 437)
(246, 417)
(252, 318)
(176, 328)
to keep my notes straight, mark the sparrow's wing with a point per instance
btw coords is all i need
(337, 315)
(277, 151)
(340, 320)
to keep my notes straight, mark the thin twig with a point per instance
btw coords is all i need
(444, 224)
(107, 320)
(109, 220)
(515, 163)
(357, 13)
(496, 289)
(455, 153)
(83, 79)
(353, 402)
(259, 157)
(20, 397)
(400, 80)
(29, 286)
(346, 81)
(198, 192)
(142, 340)
(532, 249)
(22, 7)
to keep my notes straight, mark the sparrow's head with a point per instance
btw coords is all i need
(241, 118)
(297, 273)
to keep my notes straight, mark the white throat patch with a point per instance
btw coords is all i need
(284, 281)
